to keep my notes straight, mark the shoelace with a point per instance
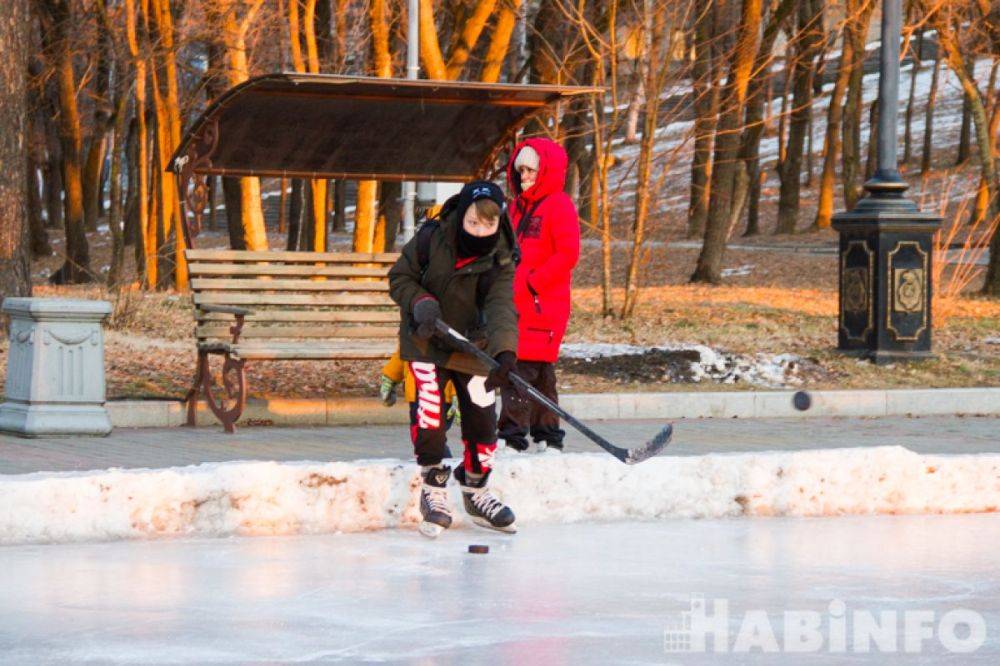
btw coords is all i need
(487, 503)
(437, 499)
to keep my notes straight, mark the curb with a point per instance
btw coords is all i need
(732, 404)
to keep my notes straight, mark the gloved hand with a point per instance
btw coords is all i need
(499, 376)
(387, 391)
(454, 416)
(426, 311)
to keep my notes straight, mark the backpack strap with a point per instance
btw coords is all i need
(424, 234)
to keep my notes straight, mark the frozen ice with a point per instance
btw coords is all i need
(590, 593)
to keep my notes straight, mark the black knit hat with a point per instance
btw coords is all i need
(476, 190)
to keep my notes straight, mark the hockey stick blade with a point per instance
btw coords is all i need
(627, 456)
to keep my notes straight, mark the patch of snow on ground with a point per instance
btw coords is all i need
(764, 370)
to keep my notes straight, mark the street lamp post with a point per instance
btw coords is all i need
(412, 72)
(886, 242)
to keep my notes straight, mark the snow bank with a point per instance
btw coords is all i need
(765, 370)
(251, 498)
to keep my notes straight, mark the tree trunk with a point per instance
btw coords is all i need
(15, 270)
(38, 236)
(340, 205)
(984, 140)
(981, 209)
(317, 215)
(496, 55)
(133, 232)
(145, 225)
(656, 27)
(167, 105)
(391, 209)
(238, 71)
(872, 139)
(54, 209)
(294, 215)
(808, 42)
(367, 224)
(965, 133)
(908, 131)
(754, 123)
(831, 140)
(232, 193)
(706, 102)
(469, 33)
(637, 98)
(928, 148)
(56, 37)
(213, 186)
(115, 215)
(727, 145)
(855, 29)
(430, 47)
(97, 151)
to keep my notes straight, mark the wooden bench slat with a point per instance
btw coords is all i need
(346, 350)
(302, 332)
(210, 284)
(291, 257)
(280, 270)
(236, 298)
(293, 316)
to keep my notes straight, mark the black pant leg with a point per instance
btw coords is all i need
(516, 409)
(427, 414)
(479, 420)
(545, 422)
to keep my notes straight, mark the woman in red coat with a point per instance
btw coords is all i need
(548, 232)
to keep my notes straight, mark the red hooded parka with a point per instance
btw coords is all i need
(548, 232)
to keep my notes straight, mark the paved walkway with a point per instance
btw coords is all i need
(168, 447)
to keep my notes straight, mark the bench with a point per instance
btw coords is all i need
(271, 306)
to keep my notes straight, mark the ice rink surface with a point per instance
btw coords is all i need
(593, 593)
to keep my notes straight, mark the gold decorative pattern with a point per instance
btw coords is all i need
(907, 291)
(856, 289)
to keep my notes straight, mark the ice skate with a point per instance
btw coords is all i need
(483, 506)
(434, 501)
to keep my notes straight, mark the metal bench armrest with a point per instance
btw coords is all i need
(238, 312)
(226, 309)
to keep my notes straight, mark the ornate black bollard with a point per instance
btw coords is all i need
(886, 243)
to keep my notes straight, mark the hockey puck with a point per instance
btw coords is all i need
(802, 400)
(479, 549)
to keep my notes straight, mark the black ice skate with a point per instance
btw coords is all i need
(482, 506)
(434, 501)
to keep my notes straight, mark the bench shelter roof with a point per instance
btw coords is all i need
(330, 126)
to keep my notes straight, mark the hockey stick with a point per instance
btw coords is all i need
(627, 456)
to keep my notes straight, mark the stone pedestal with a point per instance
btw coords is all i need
(55, 368)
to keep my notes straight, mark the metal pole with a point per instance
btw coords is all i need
(888, 89)
(886, 242)
(412, 72)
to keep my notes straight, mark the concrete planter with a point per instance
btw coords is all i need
(55, 368)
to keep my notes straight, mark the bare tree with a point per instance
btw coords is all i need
(57, 25)
(727, 143)
(15, 275)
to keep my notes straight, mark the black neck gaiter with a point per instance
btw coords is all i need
(475, 246)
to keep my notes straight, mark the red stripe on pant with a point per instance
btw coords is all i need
(482, 462)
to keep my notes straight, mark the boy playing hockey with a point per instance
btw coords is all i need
(459, 268)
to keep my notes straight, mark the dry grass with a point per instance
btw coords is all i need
(150, 351)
